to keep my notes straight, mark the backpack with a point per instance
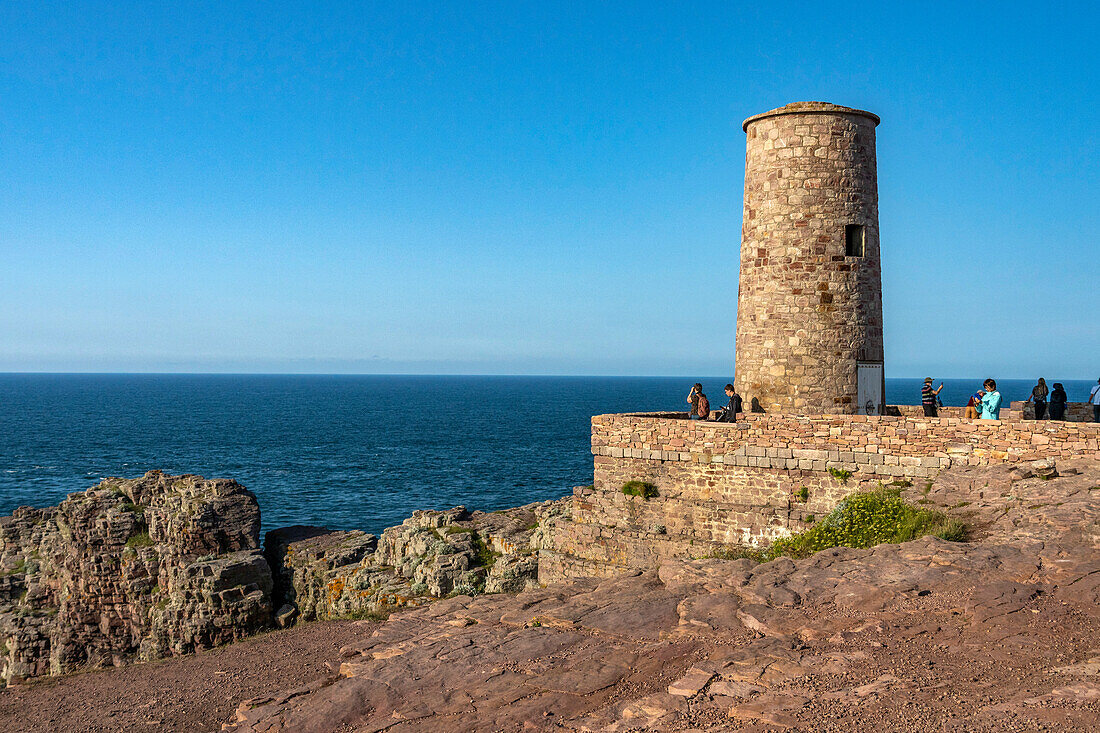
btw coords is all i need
(704, 407)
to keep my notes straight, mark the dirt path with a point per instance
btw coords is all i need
(193, 693)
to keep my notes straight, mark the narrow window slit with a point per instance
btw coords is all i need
(853, 240)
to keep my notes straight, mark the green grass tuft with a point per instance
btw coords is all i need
(803, 494)
(643, 489)
(141, 539)
(840, 474)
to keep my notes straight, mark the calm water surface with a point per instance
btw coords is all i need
(339, 451)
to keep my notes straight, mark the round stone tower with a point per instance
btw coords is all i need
(809, 303)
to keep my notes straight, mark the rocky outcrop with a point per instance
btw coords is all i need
(130, 570)
(998, 633)
(322, 574)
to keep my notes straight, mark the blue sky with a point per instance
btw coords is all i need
(523, 188)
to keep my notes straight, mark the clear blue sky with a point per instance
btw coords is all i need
(524, 188)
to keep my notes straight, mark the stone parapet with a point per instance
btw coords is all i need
(875, 441)
(1075, 411)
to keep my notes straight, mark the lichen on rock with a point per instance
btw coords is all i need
(322, 574)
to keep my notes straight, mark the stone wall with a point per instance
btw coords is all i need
(807, 312)
(130, 569)
(747, 483)
(1075, 411)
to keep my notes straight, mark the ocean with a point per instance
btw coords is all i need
(347, 452)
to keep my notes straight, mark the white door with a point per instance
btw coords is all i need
(869, 386)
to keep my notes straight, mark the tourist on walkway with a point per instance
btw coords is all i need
(1058, 399)
(729, 412)
(700, 405)
(1094, 400)
(928, 397)
(1039, 397)
(991, 401)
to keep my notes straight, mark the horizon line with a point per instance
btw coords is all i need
(426, 374)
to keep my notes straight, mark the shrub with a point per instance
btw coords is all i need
(141, 539)
(643, 489)
(840, 474)
(866, 519)
(810, 519)
(803, 494)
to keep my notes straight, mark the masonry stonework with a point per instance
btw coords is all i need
(748, 483)
(808, 309)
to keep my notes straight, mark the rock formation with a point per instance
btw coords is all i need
(323, 574)
(998, 633)
(130, 569)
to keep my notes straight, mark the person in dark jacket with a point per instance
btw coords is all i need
(929, 398)
(1039, 396)
(1058, 401)
(729, 412)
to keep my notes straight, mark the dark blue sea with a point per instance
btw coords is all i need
(339, 451)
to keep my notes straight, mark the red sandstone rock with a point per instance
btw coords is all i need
(924, 636)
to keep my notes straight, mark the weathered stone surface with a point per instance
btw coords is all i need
(808, 310)
(130, 569)
(999, 633)
(332, 574)
(748, 483)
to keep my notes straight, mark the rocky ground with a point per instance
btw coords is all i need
(191, 694)
(995, 634)
(999, 633)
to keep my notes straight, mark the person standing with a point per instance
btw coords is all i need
(1039, 397)
(928, 397)
(1058, 399)
(698, 402)
(991, 401)
(1094, 400)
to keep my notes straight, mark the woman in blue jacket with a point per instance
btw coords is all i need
(991, 401)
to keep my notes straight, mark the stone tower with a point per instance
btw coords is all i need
(809, 303)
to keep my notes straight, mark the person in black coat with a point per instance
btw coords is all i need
(729, 412)
(1058, 401)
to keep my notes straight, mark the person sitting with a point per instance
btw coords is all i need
(729, 412)
(1058, 399)
(991, 401)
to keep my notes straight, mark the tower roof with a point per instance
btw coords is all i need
(809, 108)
